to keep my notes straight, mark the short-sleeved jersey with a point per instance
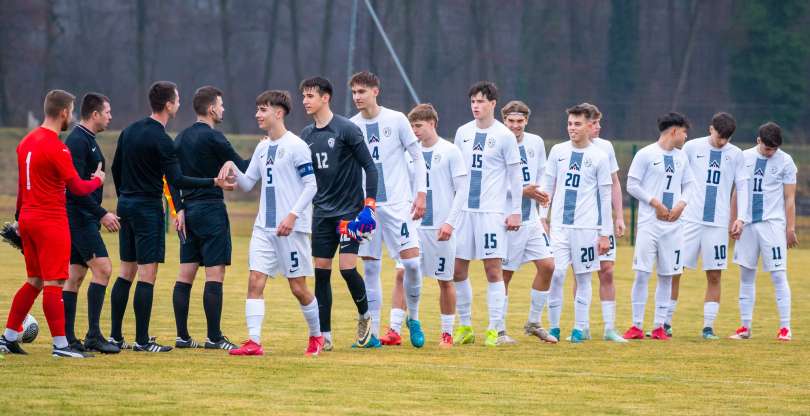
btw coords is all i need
(339, 157)
(607, 147)
(715, 171)
(444, 162)
(279, 165)
(487, 153)
(577, 175)
(768, 177)
(387, 135)
(532, 168)
(663, 174)
(44, 167)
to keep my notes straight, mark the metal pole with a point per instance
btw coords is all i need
(392, 52)
(352, 42)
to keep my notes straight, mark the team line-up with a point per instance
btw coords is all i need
(382, 177)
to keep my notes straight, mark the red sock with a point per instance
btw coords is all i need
(54, 310)
(21, 305)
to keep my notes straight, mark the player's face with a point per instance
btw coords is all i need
(715, 139)
(766, 151)
(680, 136)
(103, 117)
(596, 127)
(423, 129)
(264, 116)
(482, 107)
(516, 123)
(364, 96)
(174, 106)
(313, 100)
(217, 111)
(67, 118)
(579, 128)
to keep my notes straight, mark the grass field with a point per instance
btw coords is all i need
(684, 376)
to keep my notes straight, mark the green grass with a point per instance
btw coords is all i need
(684, 376)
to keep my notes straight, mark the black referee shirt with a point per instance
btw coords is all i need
(86, 156)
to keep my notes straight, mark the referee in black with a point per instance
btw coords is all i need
(340, 156)
(86, 216)
(203, 223)
(145, 153)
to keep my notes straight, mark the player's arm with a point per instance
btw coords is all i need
(738, 206)
(789, 180)
(420, 177)
(360, 153)
(687, 188)
(511, 155)
(174, 176)
(303, 165)
(79, 151)
(116, 166)
(246, 181)
(461, 186)
(226, 152)
(617, 204)
(76, 185)
(548, 184)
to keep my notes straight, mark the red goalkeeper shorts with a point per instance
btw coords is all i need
(46, 246)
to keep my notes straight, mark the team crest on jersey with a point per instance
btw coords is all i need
(490, 142)
(587, 163)
(373, 139)
(280, 154)
(478, 147)
(773, 170)
(387, 131)
(714, 163)
(331, 142)
(531, 153)
(437, 158)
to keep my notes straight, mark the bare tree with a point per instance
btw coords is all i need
(688, 53)
(326, 35)
(225, 32)
(271, 44)
(140, 52)
(296, 53)
(53, 30)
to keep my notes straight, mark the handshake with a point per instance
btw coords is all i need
(363, 226)
(227, 176)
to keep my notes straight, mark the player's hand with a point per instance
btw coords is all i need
(676, 212)
(792, 239)
(736, 229)
(110, 222)
(224, 184)
(604, 245)
(349, 229)
(226, 170)
(661, 211)
(366, 219)
(445, 232)
(619, 227)
(180, 222)
(544, 199)
(418, 208)
(544, 222)
(285, 228)
(513, 222)
(532, 191)
(99, 173)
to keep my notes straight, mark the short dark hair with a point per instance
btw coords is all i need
(92, 102)
(366, 78)
(672, 119)
(724, 124)
(770, 134)
(160, 93)
(515, 106)
(205, 97)
(275, 98)
(579, 110)
(321, 84)
(486, 88)
(423, 112)
(56, 101)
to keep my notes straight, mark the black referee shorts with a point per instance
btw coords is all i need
(325, 237)
(208, 234)
(142, 238)
(85, 238)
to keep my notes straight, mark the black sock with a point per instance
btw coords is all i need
(212, 303)
(180, 300)
(118, 305)
(142, 303)
(69, 300)
(357, 287)
(95, 301)
(323, 292)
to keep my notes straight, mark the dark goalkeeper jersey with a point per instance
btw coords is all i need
(339, 156)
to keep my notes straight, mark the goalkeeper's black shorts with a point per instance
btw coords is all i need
(325, 237)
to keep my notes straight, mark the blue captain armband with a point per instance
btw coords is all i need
(305, 169)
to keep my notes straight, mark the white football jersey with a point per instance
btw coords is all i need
(280, 165)
(715, 171)
(532, 167)
(387, 135)
(444, 163)
(768, 177)
(662, 173)
(576, 175)
(607, 147)
(487, 153)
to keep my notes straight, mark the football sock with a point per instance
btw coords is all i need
(663, 295)
(396, 319)
(181, 297)
(254, 316)
(357, 289)
(20, 306)
(555, 297)
(54, 310)
(539, 300)
(505, 309)
(496, 291)
(311, 316)
(671, 311)
(413, 285)
(782, 292)
(371, 271)
(323, 292)
(609, 314)
(447, 323)
(748, 295)
(69, 299)
(95, 302)
(710, 310)
(582, 301)
(464, 302)
(212, 304)
(142, 304)
(638, 297)
(119, 296)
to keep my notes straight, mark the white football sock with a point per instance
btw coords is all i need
(11, 334)
(782, 292)
(582, 301)
(327, 335)
(447, 323)
(505, 311)
(638, 297)
(254, 316)
(555, 297)
(663, 296)
(60, 341)
(748, 295)
(710, 310)
(495, 293)
(609, 314)
(371, 271)
(413, 285)
(539, 300)
(311, 316)
(464, 302)
(671, 311)
(396, 320)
